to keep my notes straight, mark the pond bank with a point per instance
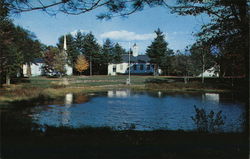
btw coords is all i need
(36, 87)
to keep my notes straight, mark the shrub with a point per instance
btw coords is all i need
(207, 122)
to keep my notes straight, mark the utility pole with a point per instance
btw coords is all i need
(129, 80)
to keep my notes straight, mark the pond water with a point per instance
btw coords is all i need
(125, 109)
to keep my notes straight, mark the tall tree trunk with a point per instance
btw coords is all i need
(7, 79)
(203, 67)
(90, 66)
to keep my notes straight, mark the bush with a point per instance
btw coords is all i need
(210, 122)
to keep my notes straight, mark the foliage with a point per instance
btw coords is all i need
(76, 7)
(207, 122)
(107, 52)
(81, 64)
(158, 51)
(98, 57)
(91, 50)
(17, 46)
(54, 61)
(72, 52)
(118, 52)
(202, 58)
(181, 64)
(59, 63)
(228, 28)
(228, 31)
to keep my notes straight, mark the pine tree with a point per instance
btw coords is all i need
(91, 50)
(118, 52)
(81, 64)
(158, 51)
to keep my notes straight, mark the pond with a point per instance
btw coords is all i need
(125, 109)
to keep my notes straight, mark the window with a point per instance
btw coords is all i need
(141, 67)
(121, 66)
(114, 68)
(135, 67)
(148, 67)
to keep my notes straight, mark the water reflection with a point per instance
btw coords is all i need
(119, 93)
(68, 100)
(214, 97)
(65, 111)
(145, 111)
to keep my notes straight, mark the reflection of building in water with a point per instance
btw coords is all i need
(68, 100)
(65, 112)
(119, 93)
(159, 94)
(211, 97)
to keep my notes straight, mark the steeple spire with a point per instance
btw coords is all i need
(64, 43)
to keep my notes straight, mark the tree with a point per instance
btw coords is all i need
(107, 54)
(91, 50)
(17, 47)
(54, 61)
(202, 58)
(228, 30)
(76, 7)
(49, 58)
(118, 51)
(181, 64)
(81, 64)
(158, 51)
(59, 63)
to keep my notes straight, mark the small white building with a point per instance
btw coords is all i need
(35, 69)
(211, 72)
(139, 65)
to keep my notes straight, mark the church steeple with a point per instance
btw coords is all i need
(65, 43)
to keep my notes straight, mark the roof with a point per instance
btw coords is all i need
(38, 60)
(137, 59)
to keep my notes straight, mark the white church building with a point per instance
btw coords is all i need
(36, 67)
(139, 65)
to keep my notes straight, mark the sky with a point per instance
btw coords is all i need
(137, 28)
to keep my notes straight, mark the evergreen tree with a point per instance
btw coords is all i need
(107, 55)
(91, 50)
(107, 51)
(158, 51)
(118, 51)
(78, 40)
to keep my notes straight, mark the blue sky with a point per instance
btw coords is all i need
(137, 28)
